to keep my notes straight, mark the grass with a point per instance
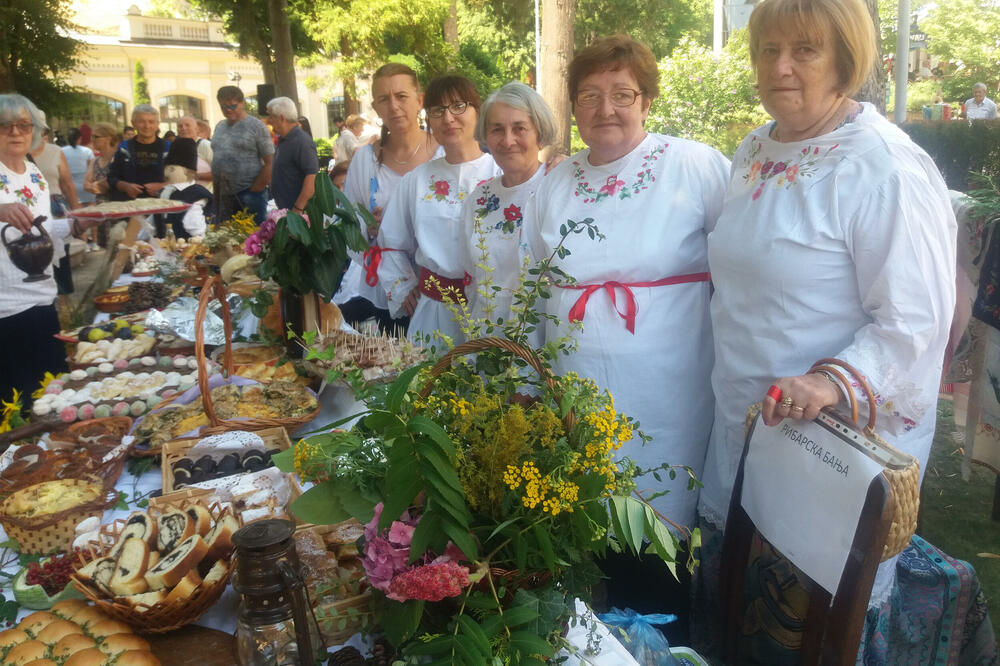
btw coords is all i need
(955, 514)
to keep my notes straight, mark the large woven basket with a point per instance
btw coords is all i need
(54, 532)
(213, 287)
(161, 617)
(481, 344)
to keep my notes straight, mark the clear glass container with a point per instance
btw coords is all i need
(273, 644)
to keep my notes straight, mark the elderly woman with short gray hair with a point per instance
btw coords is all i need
(515, 124)
(28, 317)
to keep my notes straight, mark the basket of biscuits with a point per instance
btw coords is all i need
(42, 517)
(73, 633)
(161, 569)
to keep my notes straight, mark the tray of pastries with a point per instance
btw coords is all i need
(111, 210)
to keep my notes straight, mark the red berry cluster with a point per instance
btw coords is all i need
(53, 574)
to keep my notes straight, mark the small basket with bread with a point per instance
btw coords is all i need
(162, 569)
(42, 517)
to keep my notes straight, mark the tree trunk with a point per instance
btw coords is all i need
(873, 89)
(451, 25)
(557, 51)
(284, 61)
(351, 104)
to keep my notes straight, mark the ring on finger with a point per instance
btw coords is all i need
(796, 408)
(786, 402)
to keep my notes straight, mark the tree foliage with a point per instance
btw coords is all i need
(36, 51)
(707, 100)
(660, 24)
(140, 86)
(966, 33)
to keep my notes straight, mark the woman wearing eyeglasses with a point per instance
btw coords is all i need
(420, 261)
(28, 317)
(641, 292)
(374, 174)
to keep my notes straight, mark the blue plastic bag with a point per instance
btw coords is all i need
(646, 643)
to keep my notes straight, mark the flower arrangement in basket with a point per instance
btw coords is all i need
(484, 510)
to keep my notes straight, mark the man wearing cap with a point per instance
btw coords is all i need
(137, 168)
(181, 162)
(293, 180)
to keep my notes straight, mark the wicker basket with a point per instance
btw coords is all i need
(56, 531)
(187, 496)
(161, 617)
(481, 344)
(341, 619)
(213, 287)
(175, 449)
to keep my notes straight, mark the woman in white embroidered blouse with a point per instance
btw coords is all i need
(837, 239)
(642, 292)
(28, 317)
(515, 124)
(420, 239)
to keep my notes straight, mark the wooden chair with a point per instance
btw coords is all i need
(825, 630)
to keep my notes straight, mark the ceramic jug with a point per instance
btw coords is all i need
(32, 252)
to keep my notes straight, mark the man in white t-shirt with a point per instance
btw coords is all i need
(980, 107)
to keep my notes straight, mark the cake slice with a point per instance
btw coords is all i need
(130, 568)
(173, 527)
(201, 517)
(138, 526)
(140, 601)
(173, 566)
(220, 538)
(185, 588)
(97, 573)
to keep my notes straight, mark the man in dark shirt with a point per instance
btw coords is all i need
(293, 178)
(137, 168)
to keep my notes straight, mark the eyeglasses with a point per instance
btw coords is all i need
(619, 97)
(230, 107)
(456, 108)
(21, 127)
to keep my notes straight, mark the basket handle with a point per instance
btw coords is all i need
(480, 344)
(825, 365)
(211, 286)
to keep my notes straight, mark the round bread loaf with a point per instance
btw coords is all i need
(12, 637)
(68, 608)
(118, 643)
(25, 652)
(88, 657)
(42, 662)
(89, 616)
(108, 628)
(72, 644)
(37, 621)
(58, 630)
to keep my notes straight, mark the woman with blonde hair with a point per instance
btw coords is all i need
(374, 174)
(837, 239)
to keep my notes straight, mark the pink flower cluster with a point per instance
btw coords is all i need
(255, 242)
(386, 562)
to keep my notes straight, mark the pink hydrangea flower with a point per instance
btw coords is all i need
(266, 231)
(430, 582)
(252, 246)
(276, 214)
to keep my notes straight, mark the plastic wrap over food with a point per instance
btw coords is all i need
(178, 318)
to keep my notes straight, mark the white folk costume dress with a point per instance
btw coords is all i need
(420, 237)
(368, 184)
(842, 245)
(649, 346)
(494, 214)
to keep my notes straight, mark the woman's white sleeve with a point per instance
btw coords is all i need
(396, 238)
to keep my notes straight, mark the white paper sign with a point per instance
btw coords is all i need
(804, 488)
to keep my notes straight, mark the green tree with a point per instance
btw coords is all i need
(708, 100)
(140, 86)
(36, 52)
(967, 34)
(660, 24)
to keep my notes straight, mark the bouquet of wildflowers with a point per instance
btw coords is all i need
(483, 510)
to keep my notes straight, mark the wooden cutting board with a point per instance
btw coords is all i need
(194, 646)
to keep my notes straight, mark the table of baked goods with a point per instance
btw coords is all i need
(209, 641)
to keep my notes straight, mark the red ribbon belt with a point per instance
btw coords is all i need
(442, 286)
(370, 260)
(579, 308)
